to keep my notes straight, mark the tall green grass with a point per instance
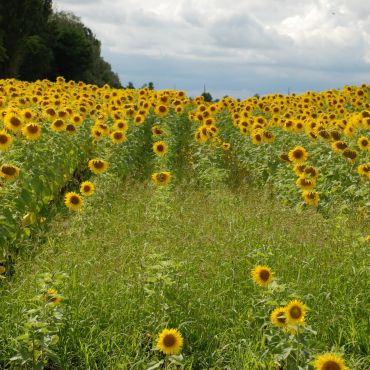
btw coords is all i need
(141, 259)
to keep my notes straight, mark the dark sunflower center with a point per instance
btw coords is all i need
(32, 129)
(281, 318)
(331, 365)
(28, 115)
(98, 164)
(364, 142)
(118, 135)
(50, 111)
(169, 340)
(70, 128)
(76, 119)
(9, 170)
(160, 148)
(15, 121)
(298, 154)
(264, 275)
(258, 137)
(75, 200)
(87, 188)
(3, 139)
(295, 312)
(161, 177)
(58, 123)
(162, 109)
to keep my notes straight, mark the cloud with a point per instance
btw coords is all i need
(256, 43)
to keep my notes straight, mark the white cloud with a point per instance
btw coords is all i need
(276, 42)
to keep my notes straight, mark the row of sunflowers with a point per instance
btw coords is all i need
(311, 149)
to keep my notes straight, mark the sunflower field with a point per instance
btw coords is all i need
(143, 229)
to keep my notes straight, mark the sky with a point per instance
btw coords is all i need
(236, 48)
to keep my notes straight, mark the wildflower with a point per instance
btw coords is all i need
(262, 275)
(32, 131)
(298, 154)
(73, 201)
(118, 137)
(8, 171)
(329, 361)
(363, 143)
(161, 178)
(160, 148)
(170, 341)
(295, 312)
(5, 141)
(278, 316)
(311, 197)
(87, 188)
(98, 166)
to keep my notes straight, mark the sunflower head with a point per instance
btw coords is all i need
(161, 178)
(295, 312)
(87, 188)
(363, 143)
(58, 125)
(329, 361)
(9, 171)
(298, 154)
(278, 316)
(118, 137)
(160, 148)
(98, 166)
(170, 341)
(73, 201)
(5, 141)
(262, 275)
(311, 197)
(32, 131)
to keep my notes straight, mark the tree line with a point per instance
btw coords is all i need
(36, 43)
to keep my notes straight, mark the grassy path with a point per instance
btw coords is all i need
(139, 260)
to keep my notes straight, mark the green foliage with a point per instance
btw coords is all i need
(48, 45)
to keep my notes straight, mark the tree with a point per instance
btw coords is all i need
(207, 96)
(130, 85)
(18, 21)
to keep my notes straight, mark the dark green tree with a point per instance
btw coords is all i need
(207, 96)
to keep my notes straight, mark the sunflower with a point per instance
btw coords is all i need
(5, 141)
(71, 129)
(121, 125)
(306, 184)
(299, 169)
(278, 316)
(295, 312)
(161, 110)
(311, 172)
(139, 119)
(58, 125)
(170, 341)
(13, 122)
(298, 154)
(97, 133)
(32, 131)
(339, 146)
(311, 197)
(161, 178)
(9, 171)
(156, 130)
(364, 169)
(329, 361)
(98, 166)
(350, 154)
(262, 275)
(363, 143)
(118, 137)
(257, 137)
(160, 148)
(73, 201)
(87, 188)
(225, 146)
